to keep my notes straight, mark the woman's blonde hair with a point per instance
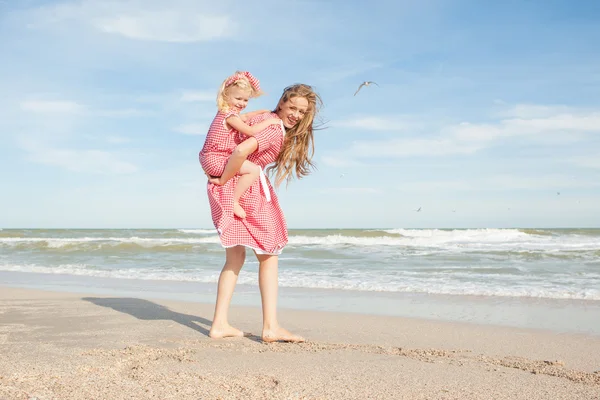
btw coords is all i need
(241, 79)
(295, 157)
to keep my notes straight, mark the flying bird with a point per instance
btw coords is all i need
(557, 193)
(418, 209)
(365, 83)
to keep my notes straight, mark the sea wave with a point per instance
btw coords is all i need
(457, 240)
(112, 243)
(430, 283)
(198, 231)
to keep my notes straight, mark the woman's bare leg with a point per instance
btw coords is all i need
(268, 282)
(249, 173)
(234, 260)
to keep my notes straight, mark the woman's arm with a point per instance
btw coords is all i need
(237, 158)
(236, 123)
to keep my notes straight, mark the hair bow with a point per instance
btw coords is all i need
(236, 77)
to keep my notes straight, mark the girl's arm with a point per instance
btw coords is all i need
(237, 158)
(246, 116)
(236, 123)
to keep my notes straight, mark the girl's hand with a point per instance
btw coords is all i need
(215, 181)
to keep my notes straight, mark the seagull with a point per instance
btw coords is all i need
(557, 193)
(365, 83)
(418, 209)
(342, 175)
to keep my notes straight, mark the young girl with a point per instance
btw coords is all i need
(232, 98)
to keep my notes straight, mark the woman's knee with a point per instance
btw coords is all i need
(236, 256)
(267, 260)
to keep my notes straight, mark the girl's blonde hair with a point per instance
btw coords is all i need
(241, 79)
(295, 157)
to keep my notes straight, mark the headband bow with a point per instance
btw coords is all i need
(236, 77)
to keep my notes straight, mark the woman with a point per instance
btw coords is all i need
(290, 146)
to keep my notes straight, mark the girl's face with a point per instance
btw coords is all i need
(237, 98)
(292, 111)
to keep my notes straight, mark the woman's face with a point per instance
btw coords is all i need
(292, 111)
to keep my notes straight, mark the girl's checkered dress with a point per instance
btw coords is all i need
(220, 141)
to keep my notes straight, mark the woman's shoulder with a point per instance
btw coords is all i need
(261, 117)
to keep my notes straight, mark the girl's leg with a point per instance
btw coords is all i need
(234, 260)
(268, 282)
(249, 173)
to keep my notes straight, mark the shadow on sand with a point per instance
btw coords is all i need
(147, 310)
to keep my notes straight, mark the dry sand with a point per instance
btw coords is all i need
(67, 346)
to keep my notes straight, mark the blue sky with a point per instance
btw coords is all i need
(484, 110)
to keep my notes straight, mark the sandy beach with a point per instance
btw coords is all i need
(75, 346)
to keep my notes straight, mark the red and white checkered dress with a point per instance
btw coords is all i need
(219, 143)
(264, 229)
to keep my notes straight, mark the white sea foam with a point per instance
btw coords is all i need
(198, 231)
(145, 242)
(360, 281)
(498, 239)
(441, 240)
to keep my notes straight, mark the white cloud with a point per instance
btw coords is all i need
(193, 96)
(562, 123)
(533, 111)
(436, 186)
(473, 132)
(192, 129)
(168, 26)
(340, 161)
(465, 137)
(587, 161)
(566, 122)
(410, 147)
(76, 160)
(341, 72)
(352, 190)
(178, 21)
(51, 107)
(504, 182)
(123, 113)
(375, 123)
(117, 139)
(550, 182)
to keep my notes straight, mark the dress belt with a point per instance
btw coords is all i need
(265, 186)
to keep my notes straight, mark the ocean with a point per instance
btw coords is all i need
(473, 275)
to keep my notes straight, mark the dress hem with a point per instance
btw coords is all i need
(256, 250)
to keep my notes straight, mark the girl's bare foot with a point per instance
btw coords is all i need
(280, 335)
(221, 332)
(238, 210)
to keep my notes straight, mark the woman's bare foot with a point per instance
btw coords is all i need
(238, 210)
(280, 335)
(224, 331)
